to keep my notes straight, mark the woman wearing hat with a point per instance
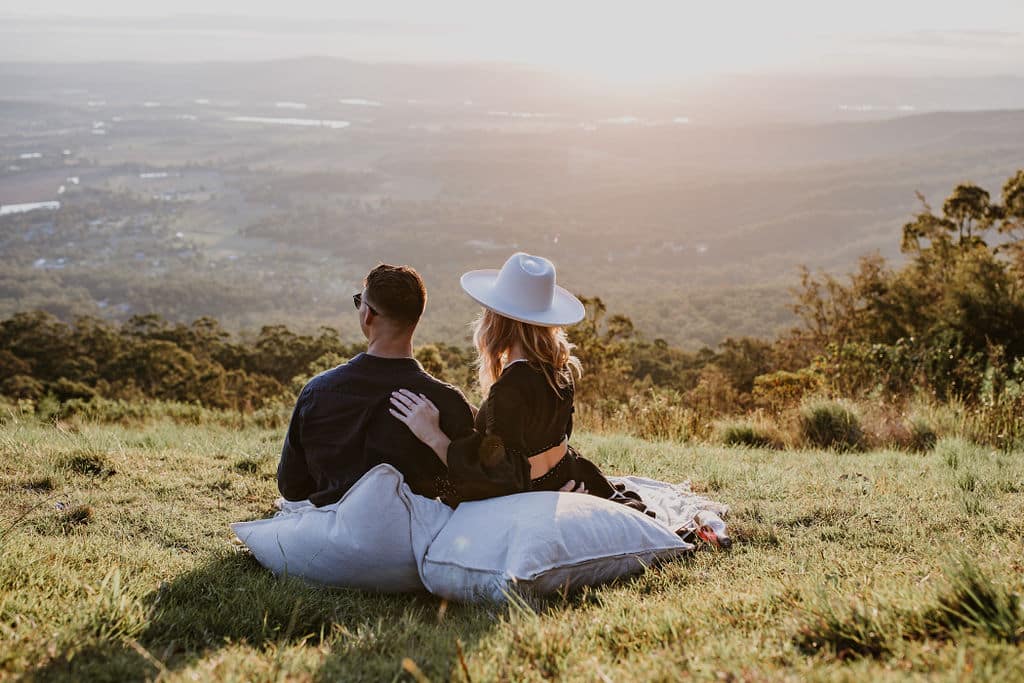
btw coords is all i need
(521, 439)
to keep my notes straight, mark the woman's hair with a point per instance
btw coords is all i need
(545, 347)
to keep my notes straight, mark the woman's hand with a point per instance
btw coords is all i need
(570, 487)
(422, 418)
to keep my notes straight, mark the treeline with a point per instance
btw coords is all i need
(946, 326)
(150, 358)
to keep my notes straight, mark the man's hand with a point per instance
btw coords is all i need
(422, 418)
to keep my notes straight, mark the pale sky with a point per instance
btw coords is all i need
(640, 40)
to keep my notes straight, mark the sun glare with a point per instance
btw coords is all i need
(626, 46)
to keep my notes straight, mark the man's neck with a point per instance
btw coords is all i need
(390, 348)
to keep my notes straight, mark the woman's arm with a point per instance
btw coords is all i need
(494, 461)
(497, 458)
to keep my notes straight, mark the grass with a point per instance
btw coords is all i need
(116, 563)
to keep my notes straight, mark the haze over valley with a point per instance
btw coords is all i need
(261, 192)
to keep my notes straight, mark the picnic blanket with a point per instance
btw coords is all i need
(676, 505)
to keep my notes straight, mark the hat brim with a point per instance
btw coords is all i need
(565, 308)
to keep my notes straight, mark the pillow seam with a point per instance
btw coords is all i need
(592, 558)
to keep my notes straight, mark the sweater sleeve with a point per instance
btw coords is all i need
(495, 461)
(294, 480)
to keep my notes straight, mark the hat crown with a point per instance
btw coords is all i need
(526, 281)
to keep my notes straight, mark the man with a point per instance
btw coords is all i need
(342, 427)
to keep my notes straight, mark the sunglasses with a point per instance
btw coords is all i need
(357, 301)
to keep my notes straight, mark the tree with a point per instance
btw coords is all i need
(944, 317)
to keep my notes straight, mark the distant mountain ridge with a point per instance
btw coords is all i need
(735, 99)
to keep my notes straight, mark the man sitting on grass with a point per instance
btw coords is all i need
(341, 426)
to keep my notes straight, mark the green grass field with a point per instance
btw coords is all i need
(117, 563)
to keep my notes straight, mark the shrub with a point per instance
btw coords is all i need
(48, 408)
(922, 436)
(782, 389)
(998, 424)
(66, 389)
(746, 433)
(75, 517)
(956, 451)
(89, 463)
(429, 356)
(862, 631)
(889, 428)
(654, 414)
(41, 483)
(974, 602)
(831, 425)
(322, 364)
(22, 386)
(714, 393)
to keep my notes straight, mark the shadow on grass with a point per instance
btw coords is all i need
(232, 600)
(107, 661)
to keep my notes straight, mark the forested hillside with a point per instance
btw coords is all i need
(943, 328)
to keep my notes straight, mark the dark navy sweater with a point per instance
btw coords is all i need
(342, 427)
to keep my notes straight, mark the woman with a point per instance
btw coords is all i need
(521, 440)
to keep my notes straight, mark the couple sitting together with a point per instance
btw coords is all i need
(382, 407)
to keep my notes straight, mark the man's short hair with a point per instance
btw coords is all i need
(396, 292)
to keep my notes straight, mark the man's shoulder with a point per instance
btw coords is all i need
(328, 379)
(442, 388)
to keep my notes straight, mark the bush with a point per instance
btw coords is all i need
(66, 389)
(831, 425)
(750, 434)
(998, 424)
(22, 386)
(922, 436)
(973, 601)
(653, 414)
(88, 462)
(859, 631)
(887, 426)
(106, 411)
(127, 412)
(782, 389)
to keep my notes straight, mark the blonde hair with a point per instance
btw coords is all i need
(546, 347)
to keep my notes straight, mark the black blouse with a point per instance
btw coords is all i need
(521, 417)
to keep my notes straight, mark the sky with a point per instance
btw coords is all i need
(636, 41)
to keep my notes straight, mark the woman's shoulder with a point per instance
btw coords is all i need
(520, 371)
(524, 376)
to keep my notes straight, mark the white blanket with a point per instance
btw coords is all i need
(675, 504)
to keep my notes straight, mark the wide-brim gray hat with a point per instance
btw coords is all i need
(525, 290)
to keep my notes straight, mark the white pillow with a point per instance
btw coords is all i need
(541, 542)
(365, 540)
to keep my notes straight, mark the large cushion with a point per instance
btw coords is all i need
(365, 540)
(541, 542)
